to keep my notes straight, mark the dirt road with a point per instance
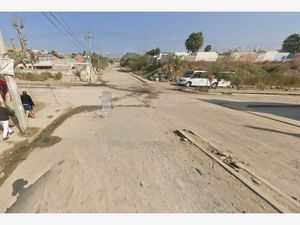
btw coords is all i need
(132, 161)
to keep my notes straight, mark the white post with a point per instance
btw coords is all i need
(18, 106)
(12, 87)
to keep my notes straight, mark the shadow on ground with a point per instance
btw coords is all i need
(274, 131)
(290, 111)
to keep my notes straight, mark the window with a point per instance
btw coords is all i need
(203, 75)
(196, 75)
(188, 74)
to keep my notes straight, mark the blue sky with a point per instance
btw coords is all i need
(118, 33)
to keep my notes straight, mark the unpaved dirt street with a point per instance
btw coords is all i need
(133, 160)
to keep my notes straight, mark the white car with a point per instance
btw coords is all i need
(198, 78)
(225, 77)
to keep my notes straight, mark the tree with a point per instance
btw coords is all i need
(173, 65)
(194, 42)
(19, 57)
(291, 44)
(153, 52)
(33, 60)
(207, 48)
(99, 62)
(135, 61)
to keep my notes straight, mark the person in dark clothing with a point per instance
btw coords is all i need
(4, 117)
(27, 104)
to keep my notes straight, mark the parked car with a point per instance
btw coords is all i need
(224, 78)
(197, 78)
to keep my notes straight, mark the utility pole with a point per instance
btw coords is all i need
(12, 87)
(89, 37)
(18, 106)
(2, 46)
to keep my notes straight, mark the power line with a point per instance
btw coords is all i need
(69, 31)
(89, 37)
(49, 19)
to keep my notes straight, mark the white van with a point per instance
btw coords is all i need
(197, 78)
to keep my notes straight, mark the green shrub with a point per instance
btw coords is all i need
(135, 61)
(57, 76)
(38, 77)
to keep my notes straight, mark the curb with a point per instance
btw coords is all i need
(140, 78)
(137, 77)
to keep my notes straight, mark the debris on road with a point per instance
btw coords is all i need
(198, 170)
(277, 198)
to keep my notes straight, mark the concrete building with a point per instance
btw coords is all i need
(45, 61)
(183, 54)
(244, 56)
(266, 56)
(202, 56)
(284, 56)
(163, 57)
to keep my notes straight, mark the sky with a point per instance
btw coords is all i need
(118, 33)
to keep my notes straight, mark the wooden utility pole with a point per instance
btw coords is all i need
(12, 87)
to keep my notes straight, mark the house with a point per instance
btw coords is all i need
(266, 56)
(284, 56)
(45, 61)
(163, 57)
(202, 56)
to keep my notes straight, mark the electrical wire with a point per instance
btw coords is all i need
(69, 31)
(68, 37)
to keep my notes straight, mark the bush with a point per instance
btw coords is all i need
(57, 76)
(260, 75)
(135, 61)
(99, 61)
(39, 77)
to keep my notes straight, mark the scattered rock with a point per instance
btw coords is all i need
(293, 197)
(2, 175)
(227, 154)
(141, 184)
(199, 171)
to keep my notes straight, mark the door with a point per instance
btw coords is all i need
(196, 79)
(203, 80)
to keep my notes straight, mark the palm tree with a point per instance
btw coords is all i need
(194, 42)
